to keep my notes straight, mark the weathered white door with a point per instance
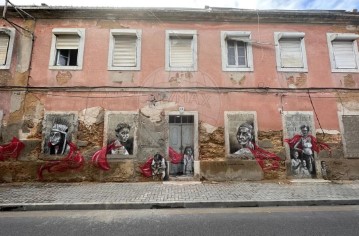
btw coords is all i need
(181, 132)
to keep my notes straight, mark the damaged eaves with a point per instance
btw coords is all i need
(184, 14)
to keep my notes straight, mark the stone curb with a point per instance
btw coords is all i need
(169, 205)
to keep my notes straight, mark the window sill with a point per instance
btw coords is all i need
(292, 69)
(345, 70)
(237, 69)
(65, 67)
(124, 68)
(181, 69)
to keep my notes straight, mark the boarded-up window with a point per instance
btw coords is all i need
(181, 52)
(291, 55)
(344, 56)
(4, 45)
(124, 51)
(351, 135)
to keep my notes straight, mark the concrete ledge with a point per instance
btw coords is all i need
(173, 204)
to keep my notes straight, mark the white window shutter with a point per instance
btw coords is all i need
(124, 51)
(291, 53)
(67, 41)
(344, 55)
(181, 52)
(4, 44)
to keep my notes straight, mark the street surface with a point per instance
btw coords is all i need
(306, 221)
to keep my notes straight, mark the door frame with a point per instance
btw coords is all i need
(196, 171)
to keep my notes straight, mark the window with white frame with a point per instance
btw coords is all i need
(343, 52)
(7, 37)
(124, 49)
(290, 51)
(181, 50)
(67, 49)
(236, 51)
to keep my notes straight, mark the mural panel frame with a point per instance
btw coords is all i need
(341, 127)
(231, 128)
(299, 148)
(113, 124)
(58, 120)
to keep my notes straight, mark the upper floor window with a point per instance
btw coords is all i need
(290, 51)
(7, 37)
(181, 50)
(343, 52)
(236, 51)
(125, 50)
(67, 49)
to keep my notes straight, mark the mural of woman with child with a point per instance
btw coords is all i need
(302, 147)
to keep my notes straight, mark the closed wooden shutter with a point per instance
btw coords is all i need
(66, 41)
(4, 45)
(124, 51)
(291, 54)
(181, 52)
(344, 55)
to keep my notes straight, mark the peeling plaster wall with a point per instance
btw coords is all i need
(24, 112)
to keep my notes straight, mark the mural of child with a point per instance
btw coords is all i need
(296, 163)
(188, 160)
(123, 145)
(304, 172)
(158, 166)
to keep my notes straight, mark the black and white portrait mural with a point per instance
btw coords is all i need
(302, 145)
(58, 131)
(120, 130)
(188, 160)
(240, 134)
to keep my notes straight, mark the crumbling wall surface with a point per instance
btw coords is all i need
(230, 170)
(211, 143)
(334, 141)
(342, 169)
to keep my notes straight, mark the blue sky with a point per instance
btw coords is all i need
(348, 5)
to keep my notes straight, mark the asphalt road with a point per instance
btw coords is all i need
(335, 220)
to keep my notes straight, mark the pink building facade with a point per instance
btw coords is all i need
(181, 80)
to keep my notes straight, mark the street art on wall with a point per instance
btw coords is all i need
(73, 161)
(188, 160)
(58, 134)
(11, 150)
(120, 134)
(156, 167)
(302, 145)
(240, 136)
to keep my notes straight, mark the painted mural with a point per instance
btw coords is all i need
(302, 148)
(58, 134)
(11, 150)
(241, 144)
(73, 161)
(119, 142)
(188, 160)
(156, 167)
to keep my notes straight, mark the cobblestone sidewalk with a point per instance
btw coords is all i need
(44, 196)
